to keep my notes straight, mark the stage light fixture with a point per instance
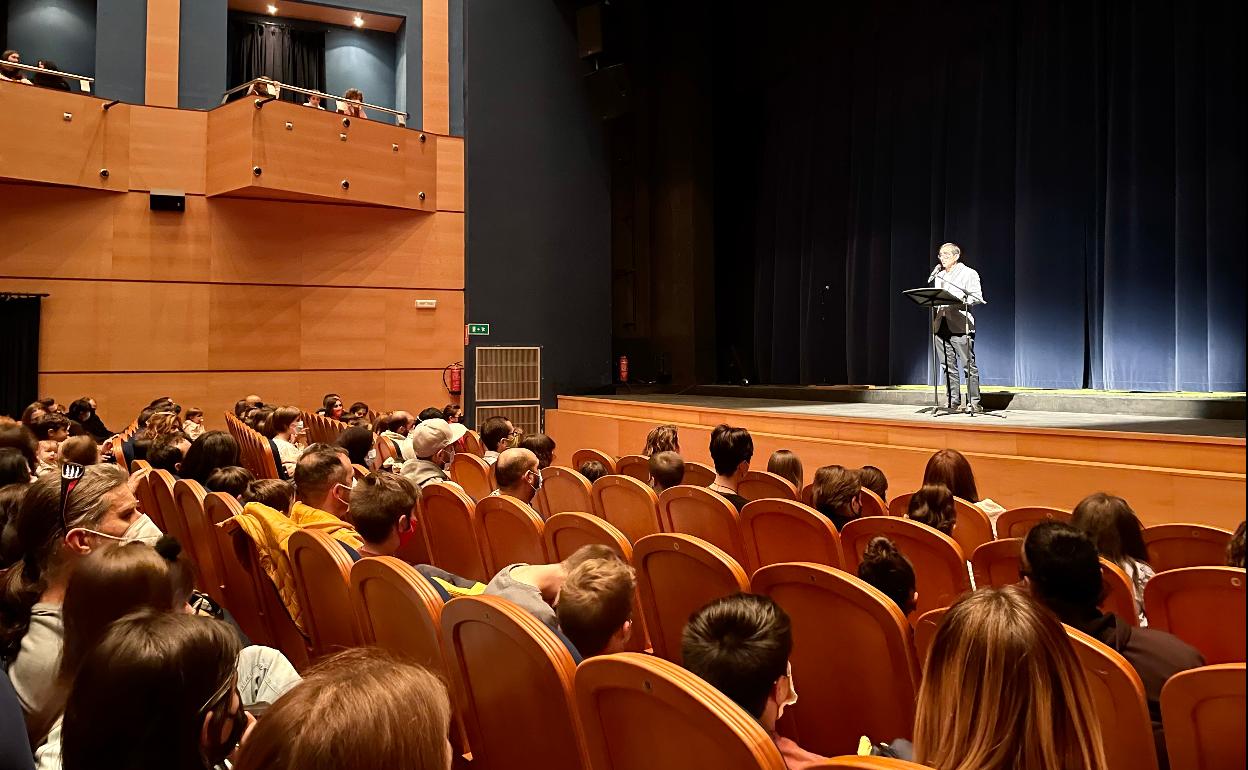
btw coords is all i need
(358, 20)
(272, 9)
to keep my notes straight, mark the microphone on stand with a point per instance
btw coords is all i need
(935, 270)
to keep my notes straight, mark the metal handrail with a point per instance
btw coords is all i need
(45, 71)
(310, 92)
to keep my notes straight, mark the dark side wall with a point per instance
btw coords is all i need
(538, 200)
(60, 30)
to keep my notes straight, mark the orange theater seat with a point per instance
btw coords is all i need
(1120, 705)
(758, 485)
(1119, 595)
(563, 490)
(925, 632)
(582, 456)
(449, 519)
(637, 466)
(940, 571)
(1017, 522)
(972, 528)
(705, 514)
(629, 504)
(510, 532)
(1172, 546)
(872, 505)
(997, 563)
(322, 572)
(778, 531)
(1203, 606)
(698, 474)
(473, 474)
(1202, 712)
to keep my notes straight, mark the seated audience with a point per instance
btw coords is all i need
(1115, 529)
(241, 407)
(452, 413)
(232, 480)
(14, 435)
(740, 645)
(731, 451)
(215, 449)
(1062, 569)
(350, 109)
(264, 86)
(13, 467)
(383, 507)
(32, 412)
(397, 427)
(432, 443)
(193, 427)
(358, 409)
(662, 439)
(595, 605)
(83, 412)
(517, 475)
(283, 427)
(168, 452)
(314, 102)
(495, 435)
(13, 74)
(323, 479)
(47, 79)
(1001, 657)
(331, 407)
(162, 424)
(361, 708)
(835, 494)
(887, 569)
(786, 465)
(541, 445)
(358, 441)
(933, 505)
(951, 468)
(873, 478)
(429, 413)
(535, 587)
(592, 470)
(1235, 548)
(81, 450)
(667, 470)
(50, 426)
(11, 496)
(275, 493)
(45, 458)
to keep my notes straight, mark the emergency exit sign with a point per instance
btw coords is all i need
(479, 330)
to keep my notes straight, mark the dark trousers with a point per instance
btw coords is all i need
(951, 349)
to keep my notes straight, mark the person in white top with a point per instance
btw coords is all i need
(953, 327)
(286, 424)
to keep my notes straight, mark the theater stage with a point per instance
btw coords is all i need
(1175, 459)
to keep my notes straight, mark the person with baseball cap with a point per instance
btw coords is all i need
(433, 447)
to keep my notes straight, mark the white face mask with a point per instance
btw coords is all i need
(792, 699)
(299, 426)
(141, 530)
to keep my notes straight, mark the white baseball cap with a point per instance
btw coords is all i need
(432, 435)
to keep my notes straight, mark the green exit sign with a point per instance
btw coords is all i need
(479, 330)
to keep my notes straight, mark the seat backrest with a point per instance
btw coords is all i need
(255, 451)
(449, 520)
(582, 456)
(1203, 606)
(777, 531)
(140, 465)
(398, 610)
(925, 633)
(566, 532)
(119, 454)
(162, 482)
(850, 762)
(900, 504)
(1119, 593)
(758, 485)
(852, 655)
(628, 503)
(1172, 546)
(510, 532)
(515, 679)
(472, 443)
(1202, 713)
(322, 429)
(996, 563)
(322, 572)
(473, 474)
(386, 450)
(563, 490)
(147, 500)
(1017, 522)
(676, 576)
(940, 572)
(872, 504)
(637, 466)
(971, 528)
(188, 496)
(241, 596)
(359, 471)
(1120, 705)
(705, 514)
(640, 712)
(698, 474)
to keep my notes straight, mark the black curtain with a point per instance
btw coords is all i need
(19, 350)
(1088, 157)
(282, 52)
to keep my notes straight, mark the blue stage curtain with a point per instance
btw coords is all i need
(1088, 157)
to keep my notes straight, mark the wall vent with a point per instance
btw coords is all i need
(526, 417)
(508, 374)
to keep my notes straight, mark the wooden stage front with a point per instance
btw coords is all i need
(1167, 477)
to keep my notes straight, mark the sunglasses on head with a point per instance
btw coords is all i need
(71, 474)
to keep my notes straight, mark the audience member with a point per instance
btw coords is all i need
(17, 436)
(284, 426)
(667, 469)
(541, 445)
(13, 467)
(45, 457)
(81, 450)
(395, 426)
(495, 433)
(873, 478)
(358, 442)
(592, 470)
(1115, 529)
(11, 496)
(264, 86)
(786, 465)
(452, 413)
(731, 451)
(241, 407)
(193, 427)
(662, 439)
(951, 468)
(1063, 571)
(47, 79)
(433, 446)
(215, 449)
(50, 426)
(13, 74)
(232, 480)
(999, 656)
(595, 605)
(275, 493)
(933, 505)
(383, 507)
(168, 452)
(1235, 548)
(323, 479)
(332, 407)
(361, 708)
(429, 413)
(886, 568)
(740, 645)
(350, 103)
(835, 494)
(517, 475)
(358, 409)
(84, 411)
(314, 102)
(535, 587)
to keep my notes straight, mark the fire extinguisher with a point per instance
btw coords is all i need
(623, 369)
(453, 378)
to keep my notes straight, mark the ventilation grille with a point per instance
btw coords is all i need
(509, 374)
(526, 417)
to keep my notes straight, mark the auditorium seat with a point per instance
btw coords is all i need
(972, 528)
(1203, 714)
(676, 576)
(472, 444)
(1203, 606)
(758, 485)
(628, 503)
(703, 513)
(940, 571)
(1017, 522)
(322, 571)
(119, 455)
(996, 563)
(698, 474)
(641, 713)
(872, 505)
(147, 500)
(566, 532)
(851, 762)
(582, 456)
(563, 490)
(386, 450)
(255, 452)
(510, 532)
(515, 679)
(899, 505)
(1119, 704)
(637, 466)
(1172, 546)
(449, 518)
(240, 590)
(140, 465)
(473, 474)
(162, 482)
(1119, 595)
(188, 496)
(925, 633)
(321, 429)
(853, 658)
(776, 531)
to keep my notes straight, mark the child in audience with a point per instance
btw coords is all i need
(1111, 524)
(667, 469)
(194, 425)
(232, 480)
(592, 470)
(731, 452)
(740, 645)
(835, 494)
(383, 507)
(786, 465)
(950, 467)
(46, 457)
(933, 505)
(283, 427)
(541, 445)
(664, 438)
(595, 605)
(886, 568)
(359, 409)
(1235, 548)
(873, 478)
(535, 587)
(215, 449)
(351, 108)
(276, 494)
(50, 426)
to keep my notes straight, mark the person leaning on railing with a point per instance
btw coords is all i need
(349, 109)
(13, 74)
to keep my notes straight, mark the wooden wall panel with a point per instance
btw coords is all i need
(56, 232)
(163, 38)
(436, 65)
(450, 173)
(40, 144)
(168, 149)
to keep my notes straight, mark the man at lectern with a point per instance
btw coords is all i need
(954, 327)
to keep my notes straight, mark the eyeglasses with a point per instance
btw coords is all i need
(71, 474)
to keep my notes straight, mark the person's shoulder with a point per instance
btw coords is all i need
(1165, 646)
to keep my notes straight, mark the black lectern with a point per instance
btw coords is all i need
(931, 298)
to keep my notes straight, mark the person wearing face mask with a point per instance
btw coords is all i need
(517, 475)
(284, 426)
(384, 508)
(433, 448)
(740, 645)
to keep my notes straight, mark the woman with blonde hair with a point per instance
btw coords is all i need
(662, 439)
(1004, 690)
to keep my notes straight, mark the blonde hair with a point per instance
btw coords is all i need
(595, 602)
(162, 424)
(1004, 690)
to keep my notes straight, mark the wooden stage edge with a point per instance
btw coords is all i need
(1166, 478)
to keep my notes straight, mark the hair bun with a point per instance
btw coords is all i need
(879, 549)
(168, 547)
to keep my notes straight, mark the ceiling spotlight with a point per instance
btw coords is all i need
(358, 20)
(272, 9)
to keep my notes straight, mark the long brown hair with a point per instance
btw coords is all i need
(1004, 690)
(788, 465)
(950, 467)
(1112, 525)
(662, 439)
(362, 708)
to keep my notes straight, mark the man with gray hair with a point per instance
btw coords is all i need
(953, 327)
